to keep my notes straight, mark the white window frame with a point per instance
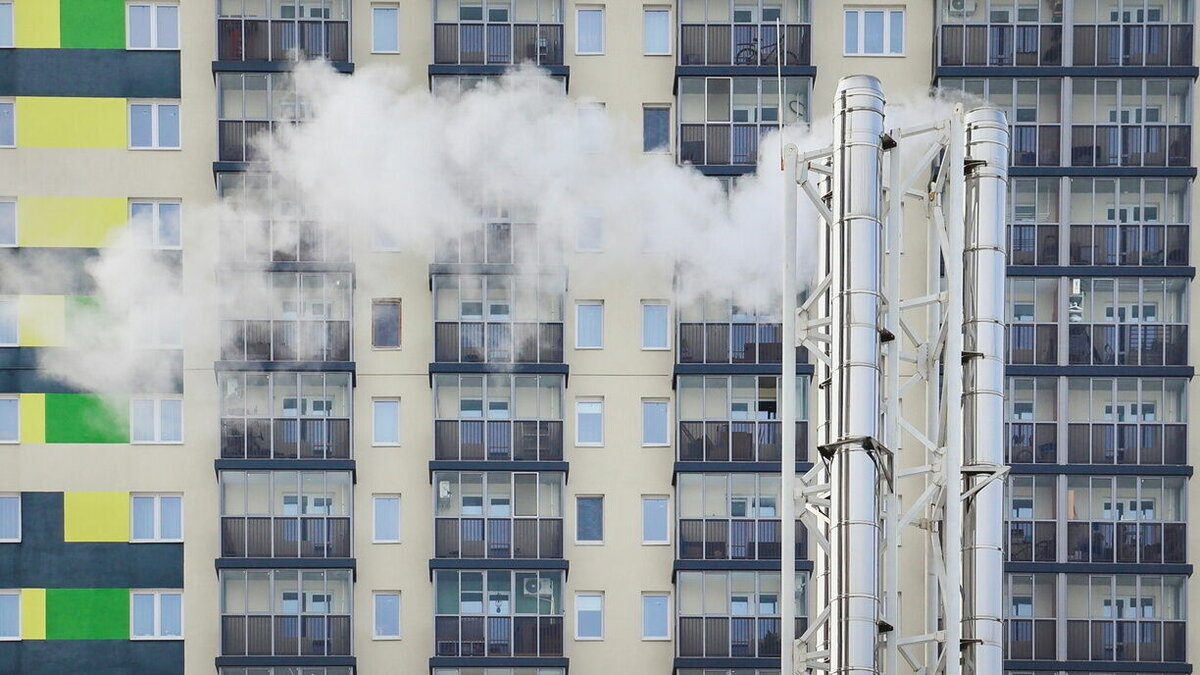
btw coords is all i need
(667, 306)
(156, 205)
(157, 440)
(375, 498)
(375, 635)
(657, 638)
(589, 444)
(656, 542)
(157, 497)
(589, 638)
(16, 313)
(887, 33)
(665, 148)
(15, 592)
(16, 238)
(589, 542)
(588, 219)
(17, 398)
(399, 303)
(579, 305)
(154, 37)
(12, 25)
(649, 9)
(665, 443)
(158, 593)
(395, 7)
(579, 10)
(155, 105)
(17, 496)
(374, 424)
(12, 103)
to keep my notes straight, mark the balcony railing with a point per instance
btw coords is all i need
(257, 39)
(721, 143)
(1145, 443)
(1002, 45)
(498, 538)
(498, 635)
(1031, 443)
(1031, 639)
(498, 440)
(744, 44)
(735, 539)
(726, 441)
(1132, 45)
(1032, 541)
(281, 241)
(285, 537)
(1129, 244)
(1130, 145)
(1142, 640)
(1036, 145)
(285, 635)
(497, 43)
(285, 438)
(1033, 343)
(737, 636)
(500, 342)
(1126, 542)
(1033, 244)
(263, 340)
(1127, 345)
(730, 343)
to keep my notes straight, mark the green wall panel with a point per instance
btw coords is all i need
(86, 418)
(91, 24)
(83, 313)
(87, 614)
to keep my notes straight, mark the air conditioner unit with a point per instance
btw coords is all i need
(538, 587)
(960, 8)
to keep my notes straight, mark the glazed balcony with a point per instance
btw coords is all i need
(725, 441)
(498, 342)
(285, 635)
(498, 440)
(264, 340)
(498, 538)
(262, 39)
(1139, 542)
(745, 44)
(498, 635)
(285, 537)
(735, 539)
(287, 438)
(498, 44)
(1149, 444)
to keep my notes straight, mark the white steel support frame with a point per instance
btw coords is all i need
(909, 391)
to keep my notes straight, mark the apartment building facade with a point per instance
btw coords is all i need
(494, 458)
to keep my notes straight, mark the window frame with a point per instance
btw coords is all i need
(155, 241)
(11, 102)
(157, 537)
(157, 420)
(666, 403)
(579, 10)
(385, 6)
(16, 440)
(656, 9)
(154, 38)
(399, 303)
(155, 106)
(588, 638)
(17, 497)
(14, 592)
(664, 149)
(375, 499)
(16, 236)
(667, 622)
(16, 314)
(375, 442)
(888, 11)
(589, 542)
(579, 305)
(580, 442)
(157, 594)
(12, 24)
(375, 634)
(667, 529)
(666, 319)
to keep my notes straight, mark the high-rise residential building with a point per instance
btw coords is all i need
(436, 461)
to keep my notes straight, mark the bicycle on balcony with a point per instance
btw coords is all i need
(751, 54)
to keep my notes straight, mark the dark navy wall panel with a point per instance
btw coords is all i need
(20, 372)
(28, 260)
(109, 73)
(96, 657)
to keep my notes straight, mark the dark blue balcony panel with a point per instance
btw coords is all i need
(272, 66)
(496, 564)
(499, 662)
(514, 368)
(71, 261)
(488, 465)
(53, 657)
(494, 70)
(21, 374)
(702, 662)
(283, 661)
(743, 71)
(263, 464)
(285, 563)
(1076, 271)
(111, 73)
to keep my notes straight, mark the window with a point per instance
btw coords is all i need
(387, 519)
(655, 331)
(589, 236)
(655, 528)
(154, 125)
(654, 422)
(10, 425)
(589, 324)
(387, 615)
(10, 614)
(8, 126)
(589, 422)
(386, 421)
(656, 31)
(874, 32)
(592, 121)
(10, 518)
(155, 224)
(6, 24)
(152, 26)
(8, 322)
(589, 30)
(156, 615)
(385, 324)
(655, 622)
(589, 520)
(156, 420)
(385, 29)
(156, 518)
(589, 616)
(656, 129)
(8, 222)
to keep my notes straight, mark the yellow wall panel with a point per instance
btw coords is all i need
(33, 614)
(95, 516)
(69, 122)
(69, 221)
(36, 24)
(41, 320)
(33, 418)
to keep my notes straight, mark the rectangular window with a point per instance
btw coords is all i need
(385, 324)
(152, 26)
(156, 518)
(589, 616)
(10, 419)
(656, 624)
(387, 519)
(8, 322)
(655, 327)
(8, 125)
(10, 518)
(387, 615)
(156, 420)
(655, 526)
(10, 615)
(656, 31)
(156, 615)
(6, 24)
(589, 422)
(386, 421)
(155, 224)
(589, 235)
(654, 422)
(154, 126)
(589, 34)
(589, 324)
(385, 29)
(589, 519)
(8, 222)
(656, 129)
(874, 32)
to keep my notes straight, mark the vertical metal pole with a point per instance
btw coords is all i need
(955, 216)
(787, 419)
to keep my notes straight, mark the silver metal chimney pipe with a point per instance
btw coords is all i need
(984, 257)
